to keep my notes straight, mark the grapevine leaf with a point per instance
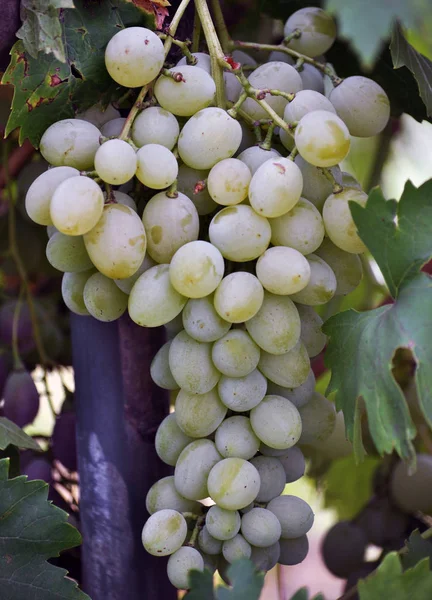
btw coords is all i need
(200, 585)
(31, 531)
(404, 55)
(417, 549)
(156, 8)
(41, 29)
(389, 581)
(11, 434)
(246, 582)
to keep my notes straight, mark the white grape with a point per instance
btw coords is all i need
(208, 137)
(193, 467)
(311, 334)
(233, 483)
(289, 370)
(318, 418)
(181, 563)
(157, 166)
(196, 269)
(304, 102)
(248, 136)
(348, 180)
(164, 532)
(312, 78)
(238, 297)
(170, 440)
(265, 559)
(67, 253)
(293, 551)
(51, 230)
(298, 395)
(239, 233)
(154, 125)
(198, 415)
(283, 270)
(153, 301)
(134, 56)
(322, 284)
(338, 221)
(127, 284)
(202, 322)
(235, 354)
(318, 31)
(271, 452)
(255, 156)
(99, 116)
(191, 364)
(184, 98)
(173, 327)
(244, 58)
(276, 421)
(70, 142)
(103, 299)
(160, 371)
(287, 138)
(275, 187)
(276, 326)
(117, 243)
(279, 56)
(202, 61)
(40, 193)
(240, 394)
(228, 181)
(113, 128)
(186, 182)
(163, 494)
(72, 290)
(272, 476)
(115, 162)
(235, 438)
(209, 544)
(122, 198)
(336, 445)
(294, 514)
(294, 464)
(222, 524)
(362, 104)
(236, 548)
(76, 205)
(233, 87)
(316, 187)
(301, 228)
(260, 527)
(322, 138)
(411, 492)
(170, 223)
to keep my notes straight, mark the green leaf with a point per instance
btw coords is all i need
(389, 581)
(12, 434)
(47, 90)
(201, 585)
(404, 55)
(417, 549)
(246, 582)
(31, 531)
(41, 30)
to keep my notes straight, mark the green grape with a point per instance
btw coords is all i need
(134, 56)
(127, 284)
(293, 551)
(198, 415)
(228, 181)
(272, 476)
(51, 230)
(346, 266)
(362, 104)
(301, 228)
(210, 561)
(348, 180)
(318, 31)
(322, 284)
(122, 198)
(294, 514)
(411, 492)
(276, 326)
(318, 419)
(153, 301)
(304, 102)
(98, 116)
(272, 75)
(117, 244)
(202, 322)
(73, 291)
(241, 394)
(235, 438)
(202, 61)
(316, 187)
(235, 354)
(70, 142)
(169, 223)
(196, 269)
(163, 494)
(322, 138)
(170, 440)
(233, 483)
(207, 543)
(173, 327)
(184, 98)
(273, 452)
(115, 162)
(298, 395)
(187, 180)
(103, 299)
(160, 371)
(222, 524)
(275, 187)
(289, 370)
(312, 79)
(255, 156)
(113, 128)
(154, 125)
(157, 166)
(192, 470)
(208, 137)
(293, 463)
(236, 548)
(283, 270)
(336, 445)
(276, 421)
(239, 233)
(311, 334)
(181, 563)
(164, 532)
(191, 364)
(238, 297)
(265, 559)
(261, 528)
(338, 221)
(76, 205)
(40, 193)
(67, 253)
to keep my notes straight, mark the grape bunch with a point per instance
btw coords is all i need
(182, 218)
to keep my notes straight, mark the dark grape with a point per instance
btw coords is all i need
(5, 367)
(365, 570)
(21, 398)
(343, 548)
(293, 551)
(24, 329)
(382, 523)
(64, 440)
(38, 468)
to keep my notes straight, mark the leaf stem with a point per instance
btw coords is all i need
(337, 188)
(221, 26)
(198, 526)
(267, 143)
(196, 32)
(133, 113)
